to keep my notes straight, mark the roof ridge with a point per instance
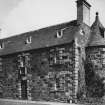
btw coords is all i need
(70, 23)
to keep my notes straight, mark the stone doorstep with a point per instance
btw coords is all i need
(25, 102)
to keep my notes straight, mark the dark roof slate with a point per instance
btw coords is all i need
(96, 37)
(41, 38)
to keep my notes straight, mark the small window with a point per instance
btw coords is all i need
(101, 32)
(0, 64)
(59, 34)
(29, 40)
(65, 57)
(1, 45)
(79, 50)
(82, 32)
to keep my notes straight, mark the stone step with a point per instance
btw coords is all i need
(24, 102)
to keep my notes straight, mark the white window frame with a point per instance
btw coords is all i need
(29, 40)
(60, 34)
(1, 45)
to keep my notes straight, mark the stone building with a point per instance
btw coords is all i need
(54, 63)
(95, 59)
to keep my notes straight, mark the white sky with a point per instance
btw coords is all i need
(18, 16)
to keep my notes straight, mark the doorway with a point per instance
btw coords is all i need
(24, 89)
(22, 76)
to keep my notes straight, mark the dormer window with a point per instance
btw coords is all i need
(82, 32)
(59, 34)
(1, 45)
(29, 40)
(101, 32)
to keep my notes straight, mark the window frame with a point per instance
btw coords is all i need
(28, 40)
(1, 45)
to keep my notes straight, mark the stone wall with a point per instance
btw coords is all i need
(53, 74)
(95, 71)
(9, 77)
(79, 71)
(81, 94)
(49, 74)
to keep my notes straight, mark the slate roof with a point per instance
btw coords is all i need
(97, 37)
(47, 37)
(41, 38)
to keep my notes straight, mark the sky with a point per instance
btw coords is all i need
(19, 16)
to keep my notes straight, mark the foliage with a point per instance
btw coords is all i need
(95, 86)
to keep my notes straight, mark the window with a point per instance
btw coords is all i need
(59, 56)
(79, 50)
(0, 64)
(101, 32)
(82, 32)
(1, 45)
(29, 40)
(60, 34)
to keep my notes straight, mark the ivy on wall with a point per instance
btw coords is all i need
(95, 86)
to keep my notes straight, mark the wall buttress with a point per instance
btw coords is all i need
(76, 69)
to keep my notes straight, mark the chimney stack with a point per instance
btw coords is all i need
(83, 11)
